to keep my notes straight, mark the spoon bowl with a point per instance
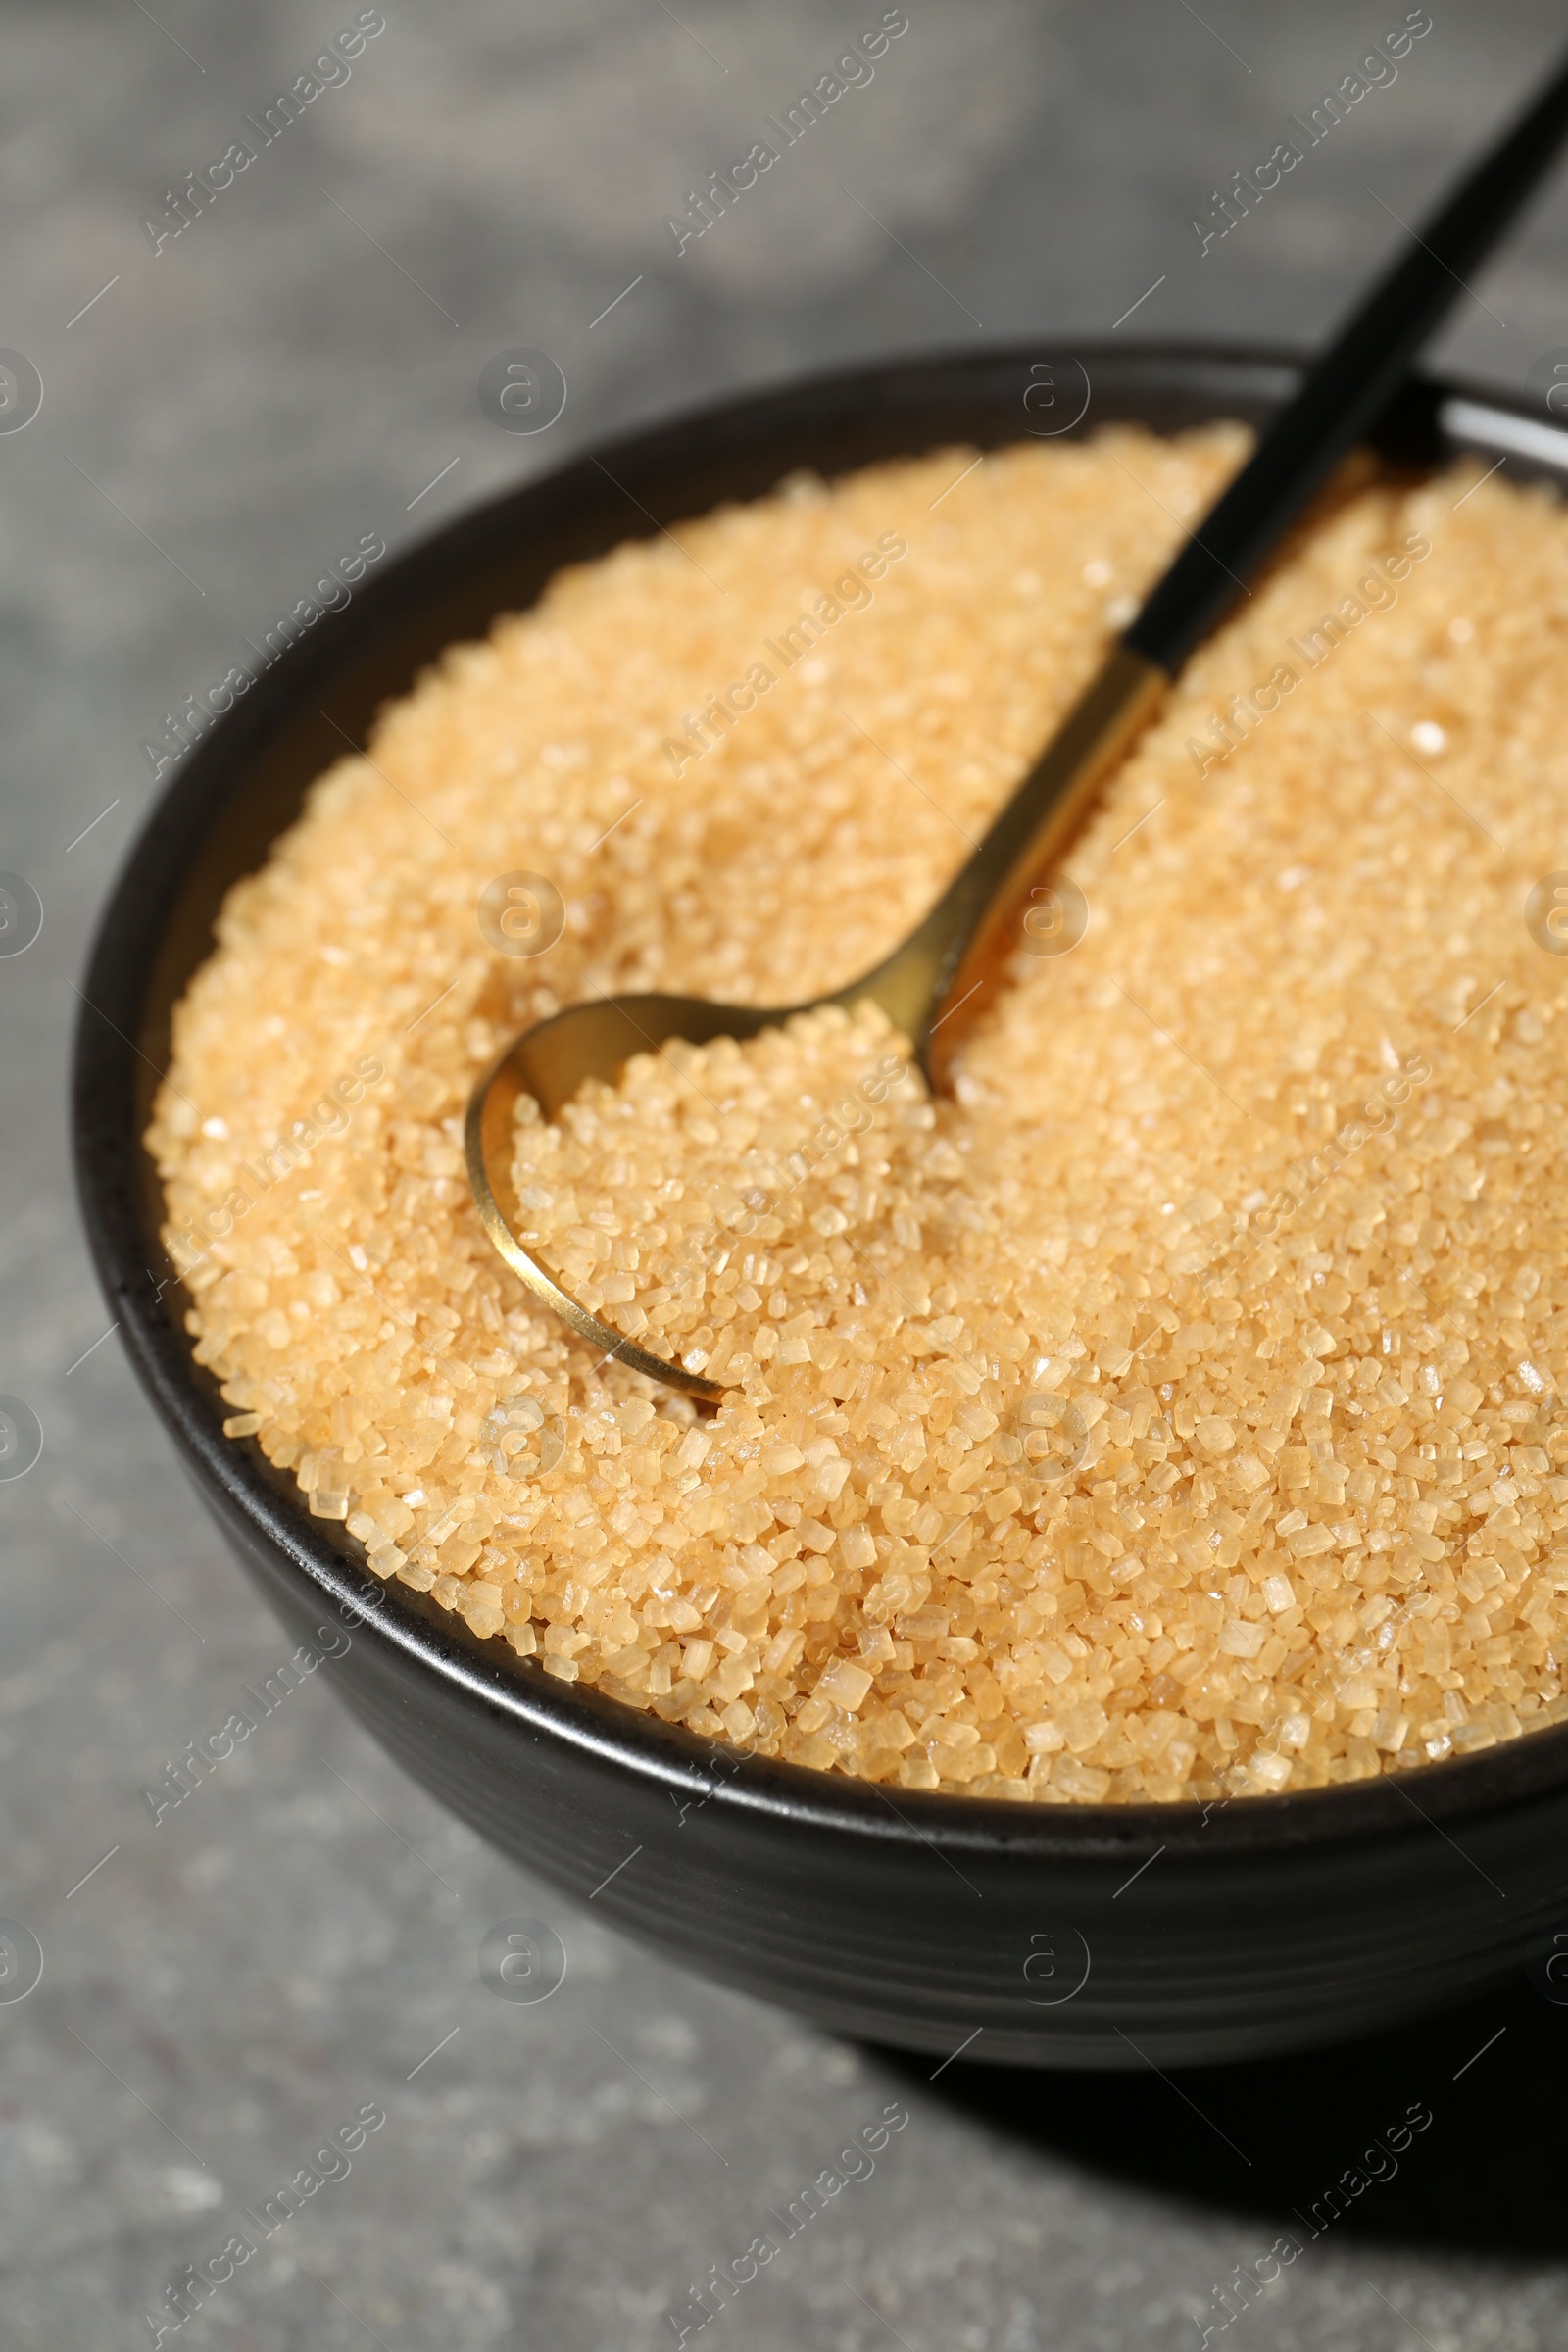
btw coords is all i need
(550, 1061)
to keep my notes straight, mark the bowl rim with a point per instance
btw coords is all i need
(239, 1483)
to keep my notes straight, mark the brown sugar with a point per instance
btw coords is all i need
(1174, 1410)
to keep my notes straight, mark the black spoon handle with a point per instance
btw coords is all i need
(1346, 389)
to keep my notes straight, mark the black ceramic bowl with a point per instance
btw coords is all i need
(1096, 1936)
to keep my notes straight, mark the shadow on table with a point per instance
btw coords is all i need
(1271, 2137)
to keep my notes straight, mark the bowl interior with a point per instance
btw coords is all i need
(243, 783)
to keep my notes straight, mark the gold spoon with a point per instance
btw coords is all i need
(952, 962)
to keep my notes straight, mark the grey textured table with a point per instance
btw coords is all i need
(225, 1990)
